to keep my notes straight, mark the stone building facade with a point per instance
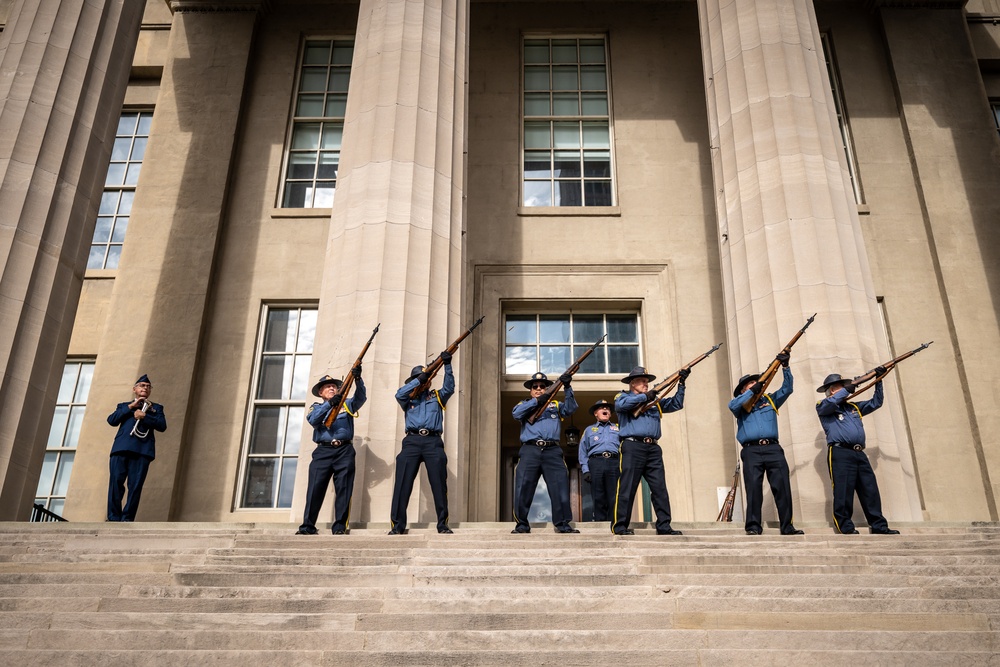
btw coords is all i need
(229, 195)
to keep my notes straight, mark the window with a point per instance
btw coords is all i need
(64, 435)
(567, 133)
(845, 130)
(119, 189)
(317, 124)
(550, 343)
(995, 108)
(277, 407)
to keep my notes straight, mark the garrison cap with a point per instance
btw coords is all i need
(144, 378)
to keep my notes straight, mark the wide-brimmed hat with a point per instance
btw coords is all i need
(753, 377)
(638, 372)
(601, 404)
(538, 377)
(325, 380)
(414, 372)
(832, 378)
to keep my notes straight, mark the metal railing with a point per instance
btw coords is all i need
(39, 513)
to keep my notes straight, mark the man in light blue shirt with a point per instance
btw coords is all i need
(599, 459)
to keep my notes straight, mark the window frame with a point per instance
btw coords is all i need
(253, 403)
(843, 121)
(582, 208)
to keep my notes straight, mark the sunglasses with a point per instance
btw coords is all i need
(538, 386)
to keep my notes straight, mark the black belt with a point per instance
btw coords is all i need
(647, 441)
(422, 431)
(337, 443)
(848, 445)
(762, 441)
(604, 455)
(542, 443)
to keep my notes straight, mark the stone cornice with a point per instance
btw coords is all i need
(217, 6)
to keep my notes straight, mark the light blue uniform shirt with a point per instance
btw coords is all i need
(762, 422)
(646, 425)
(427, 410)
(597, 439)
(842, 420)
(546, 427)
(342, 427)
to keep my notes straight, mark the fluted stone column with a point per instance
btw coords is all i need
(160, 298)
(64, 66)
(395, 247)
(789, 234)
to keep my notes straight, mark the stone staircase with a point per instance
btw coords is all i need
(155, 594)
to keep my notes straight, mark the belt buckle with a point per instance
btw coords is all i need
(763, 441)
(606, 455)
(423, 431)
(336, 443)
(647, 441)
(540, 443)
(858, 448)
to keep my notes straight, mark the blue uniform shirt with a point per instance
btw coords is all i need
(597, 439)
(842, 420)
(342, 427)
(123, 418)
(646, 425)
(546, 427)
(427, 410)
(761, 422)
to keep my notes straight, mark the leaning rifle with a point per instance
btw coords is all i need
(726, 513)
(872, 377)
(768, 375)
(669, 382)
(432, 368)
(550, 393)
(348, 381)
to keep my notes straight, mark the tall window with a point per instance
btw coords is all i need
(995, 107)
(845, 129)
(64, 435)
(119, 189)
(317, 124)
(277, 407)
(550, 343)
(567, 133)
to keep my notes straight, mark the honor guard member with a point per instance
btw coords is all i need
(334, 454)
(641, 455)
(599, 459)
(849, 467)
(757, 433)
(541, 455)
(423, 443)
(134, 449)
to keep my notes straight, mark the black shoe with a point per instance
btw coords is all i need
(793, 531)
(446, 531)
(887, 531)
(669, 531)
(754, 531)
(396, 531)
(302, 531)
(849, 532)
(522, 530)
(627, 531)
(567, 530)
(339, 531)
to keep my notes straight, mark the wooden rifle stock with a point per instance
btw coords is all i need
(550, 393)
(726, 513)
(872, 377)
(669, 382)
(432, 368)
(772, 369)
(348, 381)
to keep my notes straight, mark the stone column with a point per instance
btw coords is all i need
(159, 300)
(64, 67)
(395, 247)
(789, 234)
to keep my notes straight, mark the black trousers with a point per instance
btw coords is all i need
(544, 462)
(769, 459)
(327, 462)
(639, 460)
(851, 472)
(417, 449)
(130, 468)
(604, 474)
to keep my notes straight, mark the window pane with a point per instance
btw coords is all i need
(597, 164)
(67, 383)
(116, 174)
(568, 193)
(591, 50)
(565, 104)
(328, 163)
(258, 490)
(564, 50)
(121, 226)
(59, 419)
(275, 377)
(536, 135)
(83, 386)
(536, 51)
(317, 53)
(536, 164)
(623, 329)
(622, 359)
(587, 328)
(536, 78)
(520, 329)
(567, 164)
(96, 259)
(336, 105)
(313, 80)
(567, 135)
(132, 174)
(293, 429)
(265, 430)
(48, 474)
(536, 104)
(114, 255)
(343, 53)
(307, 330)
(537, 193)
(520, 360)
(287, 482)
(109, 203)
(309, 105)
(305, 135)
(62, 474)
(565, 78)
(597, 193)
(57, 505)
(339, 79)
(595, 104)
(279, 335)
(554, 360)
(102, 231)
(553, 329)
(592, 364)
(333, 133)
(324, 195)
(145, 120)
(125, 203)
(593, 77)
(302, 165)
(121, 148)
(126, 124)
(296, 195)
(595, 135)
(73, 426)
(300, 378)
(138, 149)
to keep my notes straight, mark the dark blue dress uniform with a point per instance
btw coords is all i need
(334, 457)
(850, 469)
(131, 454)
(541, 456)
(757, 433)
(422, 443)
(641, 455)
(599, 456)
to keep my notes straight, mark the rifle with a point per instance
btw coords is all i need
(432, 368)
(888, 366)
(348, 381)
(550, 393)
(726, 513)
(669, 382)
(768, 375)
